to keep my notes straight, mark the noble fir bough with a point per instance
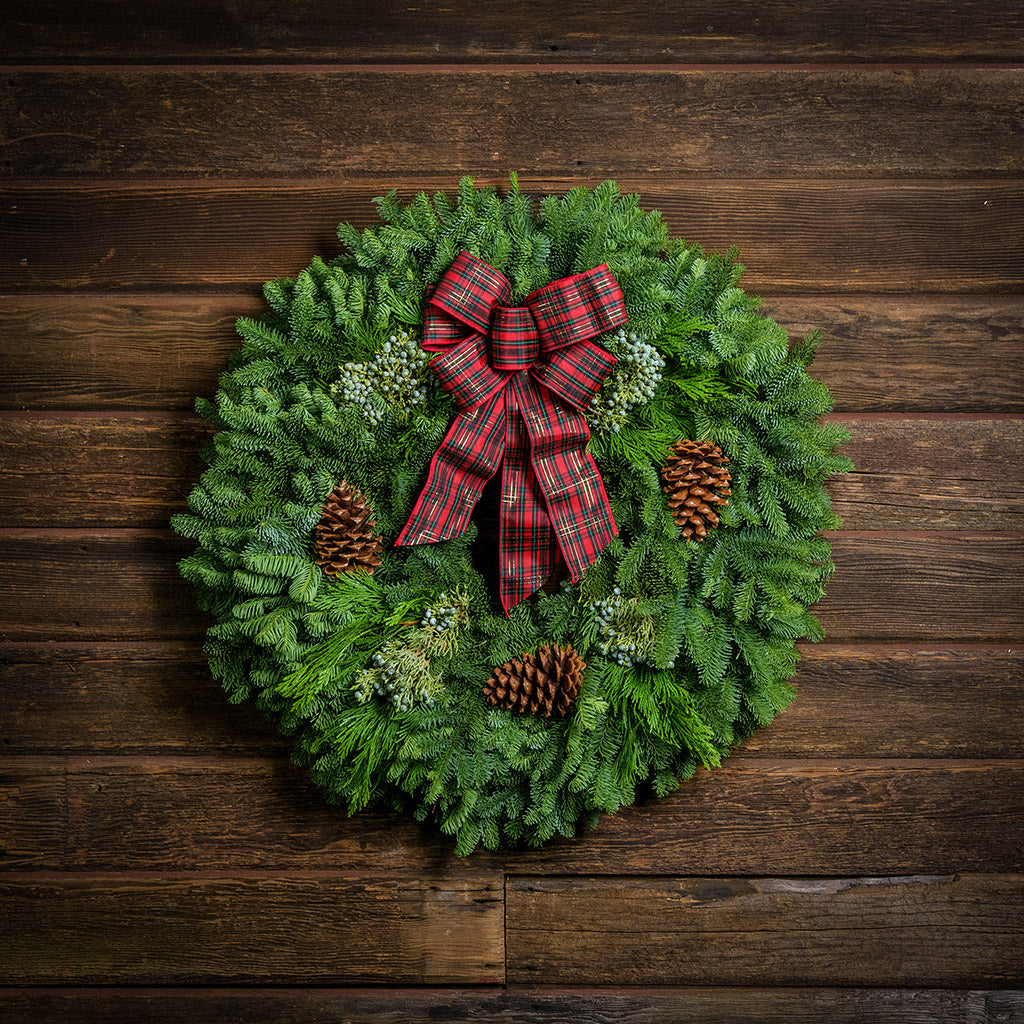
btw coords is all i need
(394, 667)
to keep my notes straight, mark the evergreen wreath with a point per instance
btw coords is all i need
(395, 668)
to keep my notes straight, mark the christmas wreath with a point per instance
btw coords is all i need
(511, 510)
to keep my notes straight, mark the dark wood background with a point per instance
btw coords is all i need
(860, 860)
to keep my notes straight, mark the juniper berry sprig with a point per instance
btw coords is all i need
(632, 381)
(627, 635)
(442, 623)
(399, 674)
(396, 375)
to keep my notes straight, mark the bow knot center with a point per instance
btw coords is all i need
(515, 341)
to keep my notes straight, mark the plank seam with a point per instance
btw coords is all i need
(186, 417)
(311, 989)
(937, 878)
(741, 760)
(186, 297)
(369, 180)
(826, 648)
(466, 878)
(63, 533)
(518, 68)
(470, 879)
(206, 991)
(913, 417)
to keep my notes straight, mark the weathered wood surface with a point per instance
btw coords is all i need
(959, 586)
(925, 473)
(842, 816)
(794, 235)
(873, 701)
(875, 824)
(790, 122)
(719, 1005)
(942, 122)
(932, 474)
(648, 31)
(306, 928)
(930, 353)
(135, 697)
(158, 698)
(82, 584)
(917, 930)
(95, 585)
(137, 352)
(881, 353)
(109, 471)
(818, 817)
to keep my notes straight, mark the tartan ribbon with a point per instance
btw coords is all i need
(521, 377)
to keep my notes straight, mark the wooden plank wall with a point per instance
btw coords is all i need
(860, 860)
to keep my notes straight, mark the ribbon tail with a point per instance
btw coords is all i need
(574, 494)
(468, 457)
(528, 552)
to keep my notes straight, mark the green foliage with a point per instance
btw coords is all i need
(689, 646)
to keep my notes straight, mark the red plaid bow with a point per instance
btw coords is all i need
(521, 377)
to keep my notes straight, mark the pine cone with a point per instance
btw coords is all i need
(548, 681)
(696, 481)
(345, 540)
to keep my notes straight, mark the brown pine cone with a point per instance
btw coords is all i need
(696, 481)
(345, 540)
(546, 682)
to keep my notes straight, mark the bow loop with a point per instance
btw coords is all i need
(521, 377)
(575, 374)
(576, 308)
(465, 373)
(469, 291)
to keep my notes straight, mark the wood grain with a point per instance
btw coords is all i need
(917, 930)
(33, 811)
(93, 585)
(144, 352)
(81, 585)
(720, 1005)
(807, 817)
(819, 817)
(932, 474)
(913, 353)
(794, 236)
(858, 861)
(647, 31)
(109, 471)
(176, 808)
(795, 122)
(158, 698)
(152, 697)
(299, 929)
(130, 470)
(958, 702)
(958, 587)
(881, 353)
